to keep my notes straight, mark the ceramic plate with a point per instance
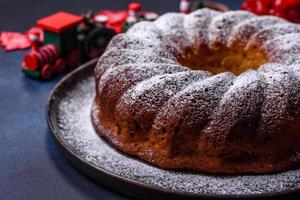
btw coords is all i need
(68, 114)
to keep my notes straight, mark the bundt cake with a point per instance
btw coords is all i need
(208, 91)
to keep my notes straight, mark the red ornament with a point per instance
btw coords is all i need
(185, 6)
(47, 72)
(288, 9)
(116, 19)
(135, 7)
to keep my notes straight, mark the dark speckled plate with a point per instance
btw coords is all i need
(68, 115)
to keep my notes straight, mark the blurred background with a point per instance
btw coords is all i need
(19, 15)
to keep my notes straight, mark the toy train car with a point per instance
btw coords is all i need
(68, 41)
(63, 41)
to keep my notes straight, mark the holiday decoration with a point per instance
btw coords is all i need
(288, 9)
(68, 41)
(11, 41)
(187, 6)
(116, 19)
(135, 14)
(121, 20)
(62, 41)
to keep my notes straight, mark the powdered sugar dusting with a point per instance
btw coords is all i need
(273, 32)
(221, 26)
(242, 32)
(199, 99)
(281, 93)
(241, 103)
(114, 58)
(164, 81)
(295, 70)
(75, 130)
(149, 31)
(131, 42)
(136, 73)
(171, 25)
(151, 94)
(286, 58)
(285, 44)
(196, 25)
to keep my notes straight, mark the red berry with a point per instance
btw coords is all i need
(293, 15)
(288, 9)
(279, 8)
(292, 2)
(278, 3)
(244, 5)
(249, 4)
(261, 8)
(269, 4)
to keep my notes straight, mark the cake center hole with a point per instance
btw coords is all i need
(236, 59)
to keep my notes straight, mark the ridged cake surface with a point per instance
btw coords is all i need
(207, 91)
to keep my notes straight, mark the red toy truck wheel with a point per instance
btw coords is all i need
(31, 61)
(59, 66)
(47, 72)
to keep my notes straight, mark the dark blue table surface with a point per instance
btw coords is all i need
(31, 166)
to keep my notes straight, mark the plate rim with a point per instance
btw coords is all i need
(72, 157)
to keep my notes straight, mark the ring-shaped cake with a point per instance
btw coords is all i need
(207, 91)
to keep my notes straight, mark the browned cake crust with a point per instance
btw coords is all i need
(231, 162)
(209, 91)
